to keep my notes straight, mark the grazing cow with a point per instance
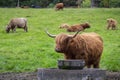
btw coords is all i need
(77, 27)
(25, 7)
(59, 6)
(17, 23)
(86, 46)
(111, 23)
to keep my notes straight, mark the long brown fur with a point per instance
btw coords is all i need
(111, 23)
(59, 6)
(87, 46)
(76, 27)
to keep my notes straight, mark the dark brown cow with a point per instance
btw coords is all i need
(25, 7)
(86, 46)
(59, 6)
(17, 23)
(76, 27)
(111, 23)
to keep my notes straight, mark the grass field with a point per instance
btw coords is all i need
(21, 51)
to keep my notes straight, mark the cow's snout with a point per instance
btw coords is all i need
(57, 50)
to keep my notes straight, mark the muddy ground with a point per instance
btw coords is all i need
(33, 76)
(19, 76)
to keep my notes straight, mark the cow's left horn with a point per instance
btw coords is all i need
(50, 35)
(76, 33)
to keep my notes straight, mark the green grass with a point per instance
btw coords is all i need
(23, 51)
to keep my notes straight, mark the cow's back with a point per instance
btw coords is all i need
(93, 44)
(89, 43)
(20, 22)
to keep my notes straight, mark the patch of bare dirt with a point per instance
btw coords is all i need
(19, 76)
(112, 75)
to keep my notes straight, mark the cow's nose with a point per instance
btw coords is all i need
(57, 50)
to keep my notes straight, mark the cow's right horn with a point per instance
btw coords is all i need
(50, 35)
(76, 33)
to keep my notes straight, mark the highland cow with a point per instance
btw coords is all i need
(86, 46)
(77, 27)
(111, 23)
(17, 23)
(59, 6)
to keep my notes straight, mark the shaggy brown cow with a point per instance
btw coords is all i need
(25, 7)
(59, 6)
(111, 23)
(76, 27)
(17, 23)
(86, 46)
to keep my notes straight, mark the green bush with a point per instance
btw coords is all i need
(114, 3)
(110, 3)
(86, 4)
(51, 5)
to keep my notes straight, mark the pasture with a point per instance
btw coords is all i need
(26, 51)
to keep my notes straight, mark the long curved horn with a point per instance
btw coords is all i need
(50, 35)
(76, 33)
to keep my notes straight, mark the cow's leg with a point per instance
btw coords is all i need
(108, 27)
(96, 65)
(113, 27)
(88, 66)
(25, 29)
(14, 29)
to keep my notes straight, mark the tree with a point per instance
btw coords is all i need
(110, 3)
(80, 2)
(114, 3)
(106, 3)
(67, 3)
(8, 3)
